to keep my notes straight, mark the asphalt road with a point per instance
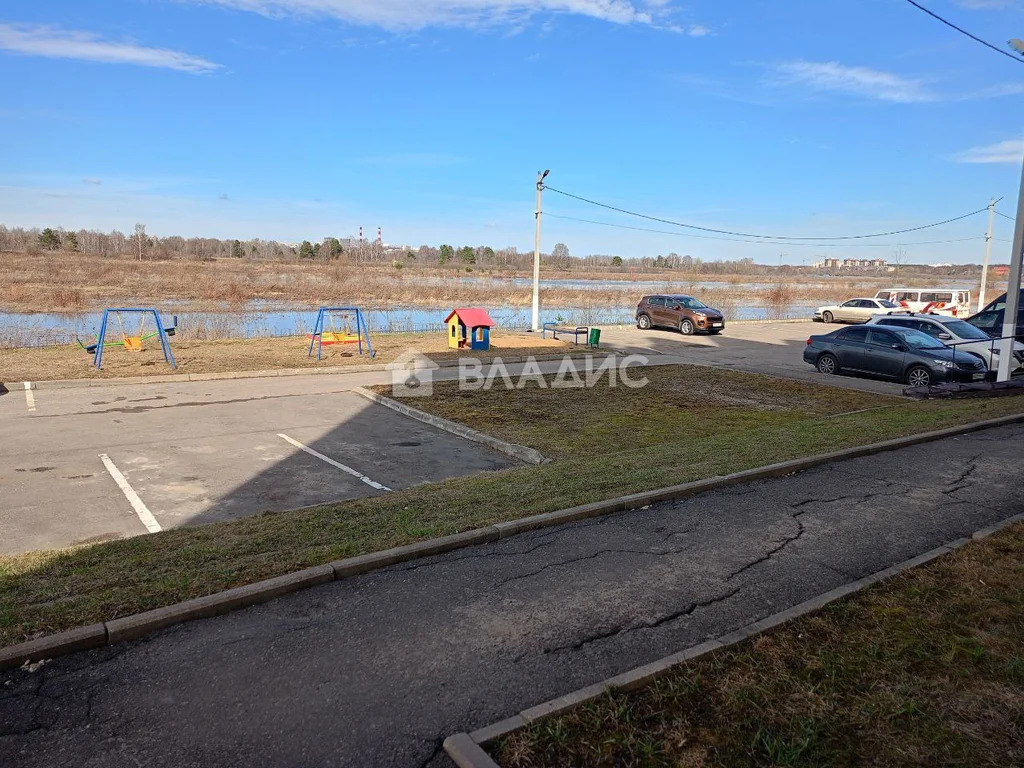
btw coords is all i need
(775, 349)
(377, 670)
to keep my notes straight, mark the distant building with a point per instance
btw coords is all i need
(828, 264)
(864, 264)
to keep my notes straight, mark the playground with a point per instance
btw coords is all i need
(191, 356)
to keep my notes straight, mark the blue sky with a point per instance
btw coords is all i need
(294, 119)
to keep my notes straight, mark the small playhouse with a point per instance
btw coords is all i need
(470, 327)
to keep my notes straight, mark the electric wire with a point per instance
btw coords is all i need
(963, 31)
(1009, 218)
(758, 242)
(762, 237)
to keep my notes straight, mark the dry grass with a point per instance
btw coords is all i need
(924, 670)
(72, 362)
(70, 281)
(677, 402)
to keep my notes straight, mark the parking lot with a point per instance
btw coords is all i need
(774, 349)
(97, 463)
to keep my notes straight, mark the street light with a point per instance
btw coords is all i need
(536, 252)
(1013, 289)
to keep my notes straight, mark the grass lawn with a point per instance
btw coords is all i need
(42, 592)
(679, 402)
(924, 670)
(72, 362)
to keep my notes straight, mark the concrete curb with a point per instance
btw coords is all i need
(329, 370)
(466, 748)
(521, 452)
(221, 602)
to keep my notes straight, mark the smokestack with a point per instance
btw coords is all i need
(380, 237)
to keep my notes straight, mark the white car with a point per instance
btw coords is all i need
(853, 311)
(958, 334)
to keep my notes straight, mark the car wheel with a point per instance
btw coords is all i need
(828, 364)
(686, 327)
(643, 323)
(919, 376)
(827, 317)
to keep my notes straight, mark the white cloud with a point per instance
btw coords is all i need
(70, 44)
(416, 14)
(1009, 152)
(698, 30)
(831, 76)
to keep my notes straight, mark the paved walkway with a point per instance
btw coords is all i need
(377, 670)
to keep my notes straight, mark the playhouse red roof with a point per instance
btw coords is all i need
(472, 317)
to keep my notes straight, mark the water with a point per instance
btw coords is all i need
(261, 319)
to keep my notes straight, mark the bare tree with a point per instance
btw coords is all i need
(140, 239)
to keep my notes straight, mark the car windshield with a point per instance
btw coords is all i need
(888, 304)
(965, 330)
(691, 303)
(917, 339)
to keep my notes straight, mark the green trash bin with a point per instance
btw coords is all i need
(595, 338)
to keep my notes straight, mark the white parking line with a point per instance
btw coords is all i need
(29, 397)
(333, 463)
(133, 498)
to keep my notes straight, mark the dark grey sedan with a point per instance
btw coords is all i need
(903, 354)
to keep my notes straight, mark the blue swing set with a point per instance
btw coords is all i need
(131, 343)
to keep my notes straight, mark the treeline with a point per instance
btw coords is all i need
(141, 245)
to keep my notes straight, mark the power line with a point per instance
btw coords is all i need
(760, 242)
(962, 31)
(762, 237)
(1010, 218)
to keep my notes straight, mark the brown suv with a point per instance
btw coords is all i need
(683, 312)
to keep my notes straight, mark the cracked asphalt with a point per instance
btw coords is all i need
(378, 669)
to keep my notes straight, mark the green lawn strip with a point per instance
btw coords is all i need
(678, 402)
(926, 669)
(44, 592)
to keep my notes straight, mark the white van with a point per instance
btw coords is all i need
(954, 302)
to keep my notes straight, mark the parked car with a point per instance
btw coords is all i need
(686, 313)
(902, 354)
(959, 335)
(990, 319)
(853, 311)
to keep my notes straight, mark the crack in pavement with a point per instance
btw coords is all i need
(447, 559)
(582, 558)
(635, 627)
(961, 482)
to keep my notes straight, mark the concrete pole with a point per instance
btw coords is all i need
(1013, 289)
(988, 252)
(536, 253)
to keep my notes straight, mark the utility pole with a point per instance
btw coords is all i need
(1006, 358)
(536, 252)
(988, 251)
